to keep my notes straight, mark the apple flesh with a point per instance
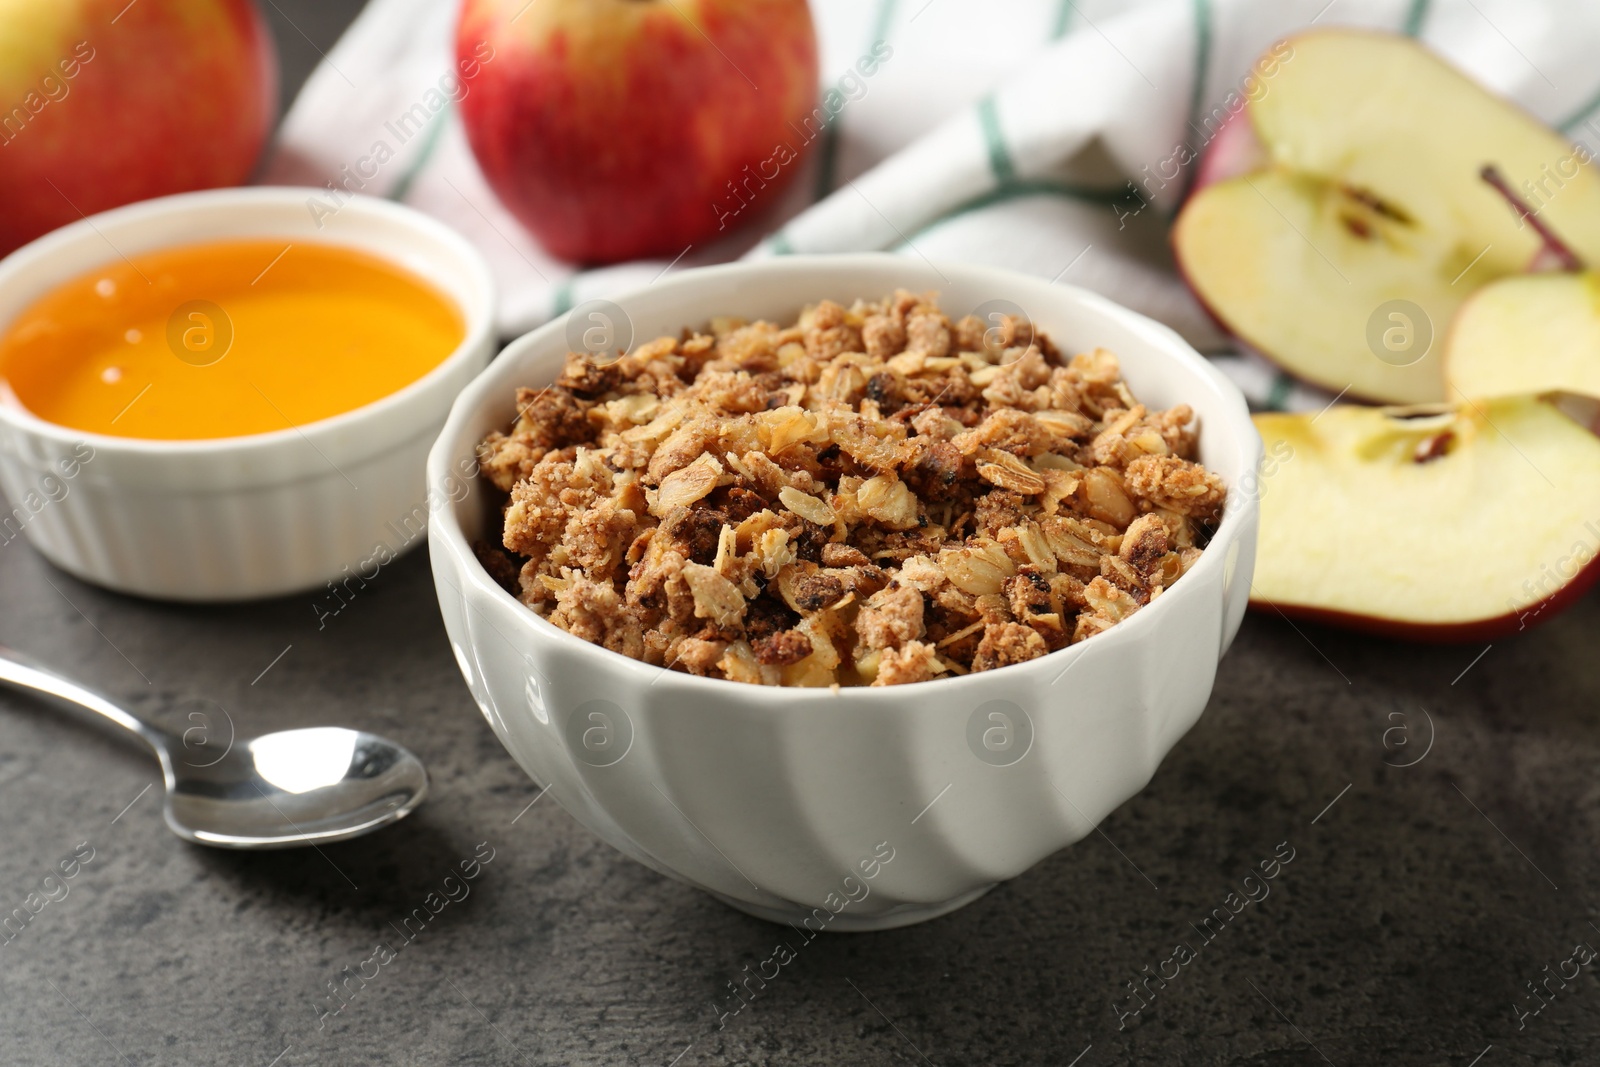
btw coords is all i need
(176, 95)
(1536, 333)
(1445, 523)
(1371, 192)
(620, 129)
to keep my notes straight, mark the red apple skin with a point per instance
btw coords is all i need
(1234, 150)
(1491, 629)
(175, 95)
(611, 129)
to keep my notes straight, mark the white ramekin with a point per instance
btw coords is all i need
(250, 516)
(783, 802)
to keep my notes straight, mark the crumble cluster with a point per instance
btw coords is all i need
(872, 495)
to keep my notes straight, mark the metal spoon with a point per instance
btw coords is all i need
(293, 787)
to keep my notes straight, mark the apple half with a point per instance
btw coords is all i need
(1365, 187)
(1536, 333)
(1448, 522)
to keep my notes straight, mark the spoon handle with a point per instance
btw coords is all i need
(23, 672)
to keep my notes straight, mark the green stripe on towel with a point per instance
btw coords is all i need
(828, 150)
(1278, 395)
(1416, 17)
(1589, 108)
(1017, 190)
(562, 301)
(408, 178)
(1005, 171)
(881, 24)
(1202, 64)
(827, 159)
(1064, 12)
(1202, 59)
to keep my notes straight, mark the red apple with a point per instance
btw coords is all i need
(619, 129)
(103, 102)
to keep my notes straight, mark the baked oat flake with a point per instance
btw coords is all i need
(872, 495)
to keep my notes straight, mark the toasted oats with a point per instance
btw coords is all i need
(1059, 485)
(835, 554)
(727, 551)
(715, 598)
(683, 487)
(1105, 496)
(806, 506)
(912, 662)
(979, 568)
(887, 499)
(775, 552)
(872, 495)
(1008, 472)
(739, 664)
(1177, 484)
(1032, 545)
(1109, 601)
(890, 617)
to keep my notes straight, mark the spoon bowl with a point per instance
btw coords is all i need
(293, 787)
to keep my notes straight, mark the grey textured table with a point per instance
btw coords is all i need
(1419, 902)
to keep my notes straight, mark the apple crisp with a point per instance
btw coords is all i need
(872, 495)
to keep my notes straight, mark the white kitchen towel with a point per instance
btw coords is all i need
(1042, 135)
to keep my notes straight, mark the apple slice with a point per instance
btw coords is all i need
(1443, 523)
(1371, 205)
(1535, 333)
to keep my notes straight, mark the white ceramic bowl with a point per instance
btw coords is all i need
(246, 516)
(785, 802)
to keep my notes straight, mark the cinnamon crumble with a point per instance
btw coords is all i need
(872, 495)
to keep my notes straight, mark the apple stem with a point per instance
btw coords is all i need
(1554, 245)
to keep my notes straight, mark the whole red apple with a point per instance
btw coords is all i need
(612, 129)
(103, 102)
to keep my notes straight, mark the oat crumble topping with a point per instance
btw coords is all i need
(873, 495)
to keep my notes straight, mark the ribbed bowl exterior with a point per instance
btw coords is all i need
(216, 543)
(786, 802)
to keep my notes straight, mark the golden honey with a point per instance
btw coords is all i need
(225, 339)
